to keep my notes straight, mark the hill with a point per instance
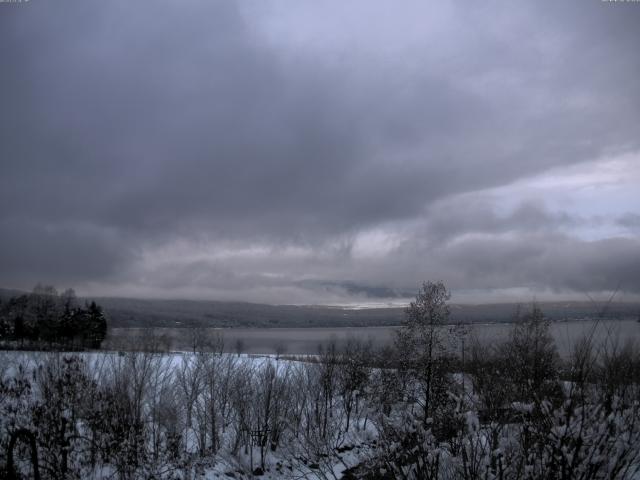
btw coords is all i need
(130, 312)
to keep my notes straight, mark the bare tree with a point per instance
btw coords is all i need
(353, 376)
(421, 347)
(240, 346)
(532, 357)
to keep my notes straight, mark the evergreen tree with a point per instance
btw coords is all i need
(97, 325)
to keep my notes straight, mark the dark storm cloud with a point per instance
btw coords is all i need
(64, 253)
(555, 262)
(128, 126)
(446, 221)
(629, 220)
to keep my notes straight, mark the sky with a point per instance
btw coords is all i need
(334, 152)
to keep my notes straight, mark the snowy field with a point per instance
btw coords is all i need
(177, 415)
(241, 393)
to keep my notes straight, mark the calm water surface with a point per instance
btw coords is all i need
(307, 340)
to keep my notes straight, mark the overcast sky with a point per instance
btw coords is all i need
(320, 152)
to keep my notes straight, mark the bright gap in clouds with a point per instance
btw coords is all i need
(575, 207)
(594, 196)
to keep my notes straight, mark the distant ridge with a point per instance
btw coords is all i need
(131, 312)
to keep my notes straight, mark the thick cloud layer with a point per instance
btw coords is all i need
(320, 151)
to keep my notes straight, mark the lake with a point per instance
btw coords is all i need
(299, 341)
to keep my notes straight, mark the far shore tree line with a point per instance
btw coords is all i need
(413, 410)
(46, 319)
